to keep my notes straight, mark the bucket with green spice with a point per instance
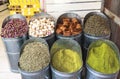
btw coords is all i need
(34, 59)
(103, 60)
(66, 59)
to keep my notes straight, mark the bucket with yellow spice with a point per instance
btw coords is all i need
(66, 59)
(103, 60)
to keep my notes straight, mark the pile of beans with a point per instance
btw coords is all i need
(68, 27)
(41, 27)
(14, 28)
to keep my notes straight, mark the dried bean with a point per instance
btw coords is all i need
(41, 27)
(14, 28)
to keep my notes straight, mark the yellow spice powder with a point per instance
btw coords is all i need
(103, 59)
(66, 60)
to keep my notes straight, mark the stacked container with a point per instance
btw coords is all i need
(13, 45)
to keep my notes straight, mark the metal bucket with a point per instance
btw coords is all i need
(61, 75)
(84, 54)
(88, 39)
(92, 74)
(78, 37)
(41, 74)
(68, 44)
(51, 38)
(13, 45)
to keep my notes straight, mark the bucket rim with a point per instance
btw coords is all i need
(15, 37)
(99, 73)
(65, 73)
(42, 15)
(8, 18)
(53, 34)
(89, 35)
(71, 36)
(70, 13)
(67, 41)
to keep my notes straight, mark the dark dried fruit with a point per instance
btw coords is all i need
(68, 27)
(14, 28)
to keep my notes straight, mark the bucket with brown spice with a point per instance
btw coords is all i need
(96, 26)
(34, 59)
(69, 26)
(14, 33)
(66, 59)
(42, 25)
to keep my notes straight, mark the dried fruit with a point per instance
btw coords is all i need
(41, 27)
(68, 27)
(14, 28)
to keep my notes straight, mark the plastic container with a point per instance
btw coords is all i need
(68, 44)
(88, 39)
(13, 45)
(92, 74)
(51, 38)
(77, 37)
(41, 74)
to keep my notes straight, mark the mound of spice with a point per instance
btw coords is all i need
(68, 27)
(14, 28)
(97, 26)
(35, 57)
(66, 60)
(103, 59)
(41, 27)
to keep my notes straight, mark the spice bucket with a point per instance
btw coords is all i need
(84, 54)
(41, 74)
(50, 38)
(61, 75)
(66, 44)
(77, 37)
(93, 74)
(13, 45)
(88, 39)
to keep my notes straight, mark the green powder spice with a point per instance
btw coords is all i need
(66, 60)
(35, 56)
(96, 26)
(103, 59)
